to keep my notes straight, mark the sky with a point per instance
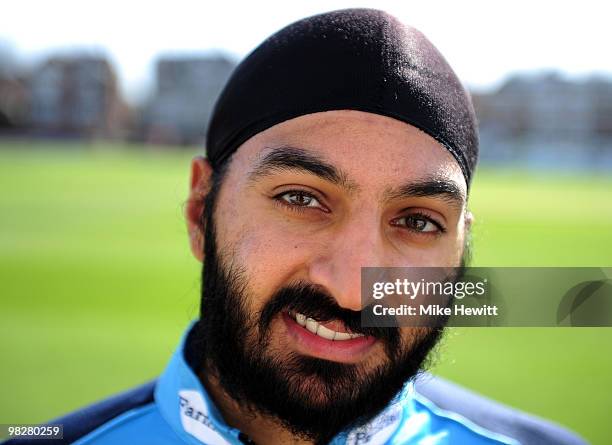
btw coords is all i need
(484, 41)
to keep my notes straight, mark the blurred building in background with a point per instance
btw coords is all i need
(14, 92)
(14, 103)
(545, 119)
(531, 120)
(77, 96)
(185, 94)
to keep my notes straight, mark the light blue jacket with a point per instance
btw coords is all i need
(175, 409)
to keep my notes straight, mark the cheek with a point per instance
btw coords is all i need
(270, 255)
(444, 253)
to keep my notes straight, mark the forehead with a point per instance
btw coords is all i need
(372, 150)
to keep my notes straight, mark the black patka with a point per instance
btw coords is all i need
(353, 59)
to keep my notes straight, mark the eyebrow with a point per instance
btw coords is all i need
(285, 158)
(435, 187)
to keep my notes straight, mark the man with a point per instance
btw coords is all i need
(344, 140)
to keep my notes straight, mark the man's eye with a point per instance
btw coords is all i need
(299, 199)
(419, 223)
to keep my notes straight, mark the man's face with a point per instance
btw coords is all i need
(302, 208)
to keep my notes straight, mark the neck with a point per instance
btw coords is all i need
(263, 430)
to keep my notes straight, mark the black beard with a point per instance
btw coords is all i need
(314, 399)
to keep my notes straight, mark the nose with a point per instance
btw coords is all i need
(338, 268)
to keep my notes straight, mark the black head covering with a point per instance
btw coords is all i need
(355, 59)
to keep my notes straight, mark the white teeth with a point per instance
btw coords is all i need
(312, 325)
(326, 333)
(301, 319)
(343, 336)
(320, 330)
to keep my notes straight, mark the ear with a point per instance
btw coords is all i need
(469, 220)
(201, 173)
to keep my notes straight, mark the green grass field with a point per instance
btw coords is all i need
(97, 282)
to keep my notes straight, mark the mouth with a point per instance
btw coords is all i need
(329, 340)
(319, 328)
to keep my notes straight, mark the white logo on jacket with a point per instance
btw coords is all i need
(195, 418)
(378, 430)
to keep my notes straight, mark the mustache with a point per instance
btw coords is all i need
(312, 301)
